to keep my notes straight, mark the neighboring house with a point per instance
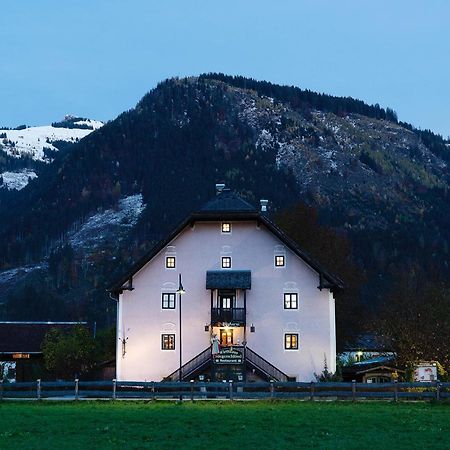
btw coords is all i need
(365, 346)
(21, 357)
(381, 369)
(247, 285)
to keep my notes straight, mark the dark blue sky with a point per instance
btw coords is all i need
(97, 58)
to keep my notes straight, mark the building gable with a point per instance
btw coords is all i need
(228, 207)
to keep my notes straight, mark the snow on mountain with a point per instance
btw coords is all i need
(109, 225)
(18, 179)
(100, 230)
(32, 141)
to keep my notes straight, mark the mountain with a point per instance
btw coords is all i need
(104, 201)
(24, 149)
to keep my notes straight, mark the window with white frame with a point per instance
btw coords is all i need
(170, 262)
(168, 342)
(291, 341)
(279, 261)
(226, 227)
(168, 300)
(290, 300)
(226, 262)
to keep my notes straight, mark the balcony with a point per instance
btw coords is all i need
(231, 316)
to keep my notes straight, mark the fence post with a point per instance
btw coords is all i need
(153, 390)
(353, 390)
(114, 389)
(230, 389)
(76, 388)
(395, 391)
(272, 389)
(311, 396)
(1, 390)
(38, 389)
(192, 390)
(438, 390)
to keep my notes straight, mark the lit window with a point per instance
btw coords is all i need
(226, 262)
(290, 301)
(170, 262)
(167, 342)
(168, 300)
(279, 261)
(291, 341)
(226, 227)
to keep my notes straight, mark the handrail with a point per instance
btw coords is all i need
(192, 365)
(264, 366)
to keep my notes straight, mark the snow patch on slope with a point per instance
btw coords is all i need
(32, 141)
(18, 179)
(107, 224)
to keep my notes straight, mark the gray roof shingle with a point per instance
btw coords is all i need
(228, 279)
(227, 201)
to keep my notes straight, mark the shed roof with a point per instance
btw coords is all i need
(27, 337)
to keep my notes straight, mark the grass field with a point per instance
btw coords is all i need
(201, 425)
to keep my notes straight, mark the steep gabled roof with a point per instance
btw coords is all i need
(227, 201)
(229, 206)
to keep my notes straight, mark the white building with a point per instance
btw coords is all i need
(270, 305)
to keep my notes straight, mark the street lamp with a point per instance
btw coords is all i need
(180, 292)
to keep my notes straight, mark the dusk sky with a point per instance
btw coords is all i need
(97, 58)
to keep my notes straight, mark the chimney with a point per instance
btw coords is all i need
(219, 188)
(264, 205)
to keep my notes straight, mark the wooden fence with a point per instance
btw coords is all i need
(77, 389)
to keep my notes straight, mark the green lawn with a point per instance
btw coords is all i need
(214, 425)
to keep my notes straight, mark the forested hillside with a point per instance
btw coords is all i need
(378, 183)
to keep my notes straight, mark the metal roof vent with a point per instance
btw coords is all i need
(264, 205)
(219, 188)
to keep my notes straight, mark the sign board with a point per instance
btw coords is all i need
(21, 356)
(425, 372)
(228, 355)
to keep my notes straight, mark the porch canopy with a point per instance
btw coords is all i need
(228, 279)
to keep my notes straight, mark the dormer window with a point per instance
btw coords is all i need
(170, 262)
(279, 261)
(226, 262)
(226, 227)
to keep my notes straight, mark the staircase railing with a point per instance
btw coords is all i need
(196, 363)
(261, 364)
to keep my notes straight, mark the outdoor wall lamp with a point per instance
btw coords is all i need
(124, 345)
(252, 328)
(206, 327)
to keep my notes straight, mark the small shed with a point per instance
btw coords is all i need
(21, 357)
(381, 369)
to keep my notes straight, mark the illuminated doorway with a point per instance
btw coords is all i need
(226, 337)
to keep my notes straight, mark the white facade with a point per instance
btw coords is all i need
(199, 248)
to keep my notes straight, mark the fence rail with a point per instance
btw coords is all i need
(75, 390)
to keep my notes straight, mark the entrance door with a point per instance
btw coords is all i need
(226, 337)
